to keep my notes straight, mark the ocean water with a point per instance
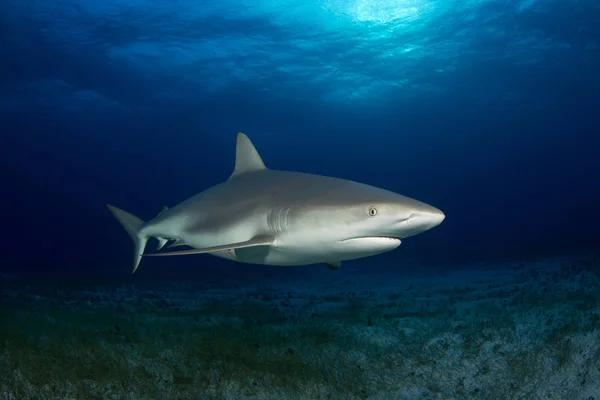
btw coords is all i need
(486, 109)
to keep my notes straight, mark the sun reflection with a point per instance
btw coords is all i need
(382, 11)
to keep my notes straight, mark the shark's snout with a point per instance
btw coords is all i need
(425, 220)
(419, 221)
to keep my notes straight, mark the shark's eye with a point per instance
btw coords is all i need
(372, 211)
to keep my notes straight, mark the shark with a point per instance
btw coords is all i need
(282, 218)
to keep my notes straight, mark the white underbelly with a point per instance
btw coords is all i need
(273, 255)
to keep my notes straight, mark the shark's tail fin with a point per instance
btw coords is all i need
(132, 225)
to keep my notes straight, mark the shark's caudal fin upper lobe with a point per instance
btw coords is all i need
(132, 225)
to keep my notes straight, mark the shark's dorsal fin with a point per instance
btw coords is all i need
(162, 210)
(247, 158)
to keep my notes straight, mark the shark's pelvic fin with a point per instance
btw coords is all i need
(262, 240)
(132, 225)
(163, 209)
(247, 158)
(333, 265)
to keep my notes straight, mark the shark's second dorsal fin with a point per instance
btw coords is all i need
(247, 158)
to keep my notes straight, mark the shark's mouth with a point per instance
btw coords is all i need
(372, 238)
(369, 245)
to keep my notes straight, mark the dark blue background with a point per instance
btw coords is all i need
(507, 143)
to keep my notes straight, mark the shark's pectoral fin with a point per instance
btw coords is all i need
(262, 240)
(333, 265)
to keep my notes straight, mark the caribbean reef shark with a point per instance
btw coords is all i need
(271, 217)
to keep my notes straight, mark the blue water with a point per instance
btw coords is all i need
(486, 109)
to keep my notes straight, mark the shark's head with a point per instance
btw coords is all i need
(396, 218)
(350, 220)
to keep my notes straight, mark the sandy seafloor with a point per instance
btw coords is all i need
(509, 330)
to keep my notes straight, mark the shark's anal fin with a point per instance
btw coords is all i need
(176, 243)
(262, 240)
(333, 265)
(161, 243)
